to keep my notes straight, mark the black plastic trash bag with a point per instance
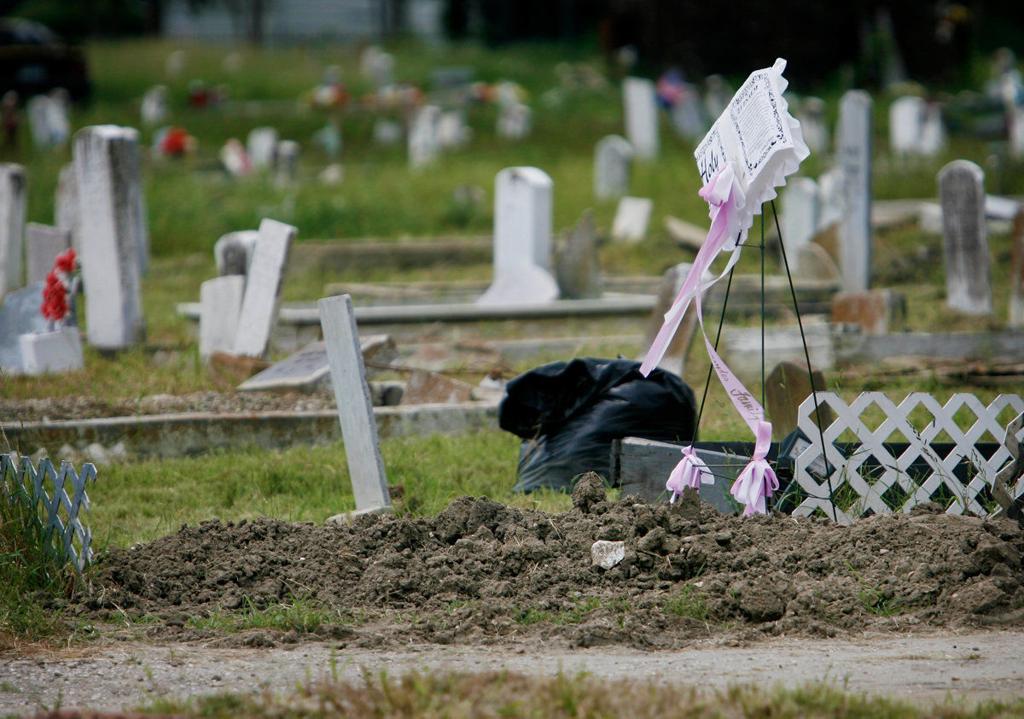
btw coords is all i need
(569, 413)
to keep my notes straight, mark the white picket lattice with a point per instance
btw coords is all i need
(884, 483)
(54, 509)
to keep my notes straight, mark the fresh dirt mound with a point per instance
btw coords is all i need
(481, 571)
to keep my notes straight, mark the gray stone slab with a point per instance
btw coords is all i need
(641, 112)
(613, 163)
(19, 314)
(220, 300)
(577, 268)
(42, 245)
(12, 226)
(307, 369)
(965, 238)
(853, 153)
(263, 288)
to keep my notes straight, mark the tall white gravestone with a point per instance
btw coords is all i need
(424, 145)
(261, 146)
(965, 240)
(906, 120)
(641, 107)
(111, 229)
(220, 303)
(613, 162)
(65, 208)
(263, 288)
(800, 216)
(522, 238)
(853, 153)
(12, 225)
(355, 408)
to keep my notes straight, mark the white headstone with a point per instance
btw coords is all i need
(423, 141)
(12, 225)
(65, 208)
(717, 95)
(906, 119)
(42, 245)
(111, 233)
(800, 213)
(59, 110)
(220, 305)
(613, 163)
(933, 132)
(853, 154)
(631, 219)
(965, 238)
(641, 109)
(39, 117)
(355, 408)
(235, 159)
(286, 162)
(59, 350)
(154, 106)
(688, 114)
(522, 238)
(261, 146)
(812, 122)
(514, 121)
(19, 314)
(263, 288)
(233, 252)
(452, 131)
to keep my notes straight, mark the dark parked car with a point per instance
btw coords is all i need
(34, 60)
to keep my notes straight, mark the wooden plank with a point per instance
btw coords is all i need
(355, 409)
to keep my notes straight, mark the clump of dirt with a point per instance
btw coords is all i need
(481, 571)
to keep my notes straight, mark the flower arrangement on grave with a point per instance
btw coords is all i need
(56, 292)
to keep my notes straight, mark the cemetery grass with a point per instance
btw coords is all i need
(432, 694)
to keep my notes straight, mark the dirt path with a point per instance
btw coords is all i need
(975, 665)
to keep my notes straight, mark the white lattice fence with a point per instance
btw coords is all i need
(869, 477)
(45, 490)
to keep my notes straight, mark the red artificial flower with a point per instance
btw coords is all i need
(65, 261)
(175, 142)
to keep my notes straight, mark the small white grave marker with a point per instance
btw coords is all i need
(613, 162)
(965, 233)
(424, 146)
(220, 305)
(355, 408)
(800, 212)
(261, 146)
(263, 288)
(853, 152)
(641, 107)
(631, 219)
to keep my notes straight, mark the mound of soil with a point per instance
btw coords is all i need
(481, 571)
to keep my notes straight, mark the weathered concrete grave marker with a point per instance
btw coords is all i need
(631, 219)
(19, 315)
(906, 118)
(786, 387)
(286, 162)
(263, 288)
(261, 144)
(613, 163)
(1016, 310)
(640, 100)
(220, 301)
(233, 252)
(576, 263)
(522, 238)
(812, 122)
(853, 151)
(308, 369)
(355, 409)
(12, 225)
(799, 221)
(423, 145)
(42, 245)
(965, 238)
(515, 120)
(65, 208)
(112, 233)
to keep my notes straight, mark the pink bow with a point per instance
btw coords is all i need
(757, 481)
(690, 472)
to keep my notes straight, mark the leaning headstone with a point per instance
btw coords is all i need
(800, 210)
(154, 106)
(423, 140)
(786, 387)
(355, 408)
(220, 304)
(613, 163)
(631, 219)
(112, 228)
(965, 243)
(515, 121)
(853, 152)
(19, 315)
(641, 109)
(65, 210)
(233, 252)
(522, 238)
(576, 264)
(12, 225)
(263, 288)
(906, 117)
(261, 146)
(1016, 312)
(812, 123)
(286, 162)
(42, 245)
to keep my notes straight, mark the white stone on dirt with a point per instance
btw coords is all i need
(606, 554)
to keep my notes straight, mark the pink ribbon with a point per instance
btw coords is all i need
(691, 472)
(757, 480)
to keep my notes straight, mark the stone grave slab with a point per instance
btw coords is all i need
(220, 301)
(576, 263)
(853, 153)
(51, 352)
(233, 252)
(641, 110)
(965, 238)
(263, 288)
(786, 387)
(12, 225)
(65, 210)
(19, 315)
(261, 146)
(799, 220)
(613, 162)
(631, 219)
(309, 368)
